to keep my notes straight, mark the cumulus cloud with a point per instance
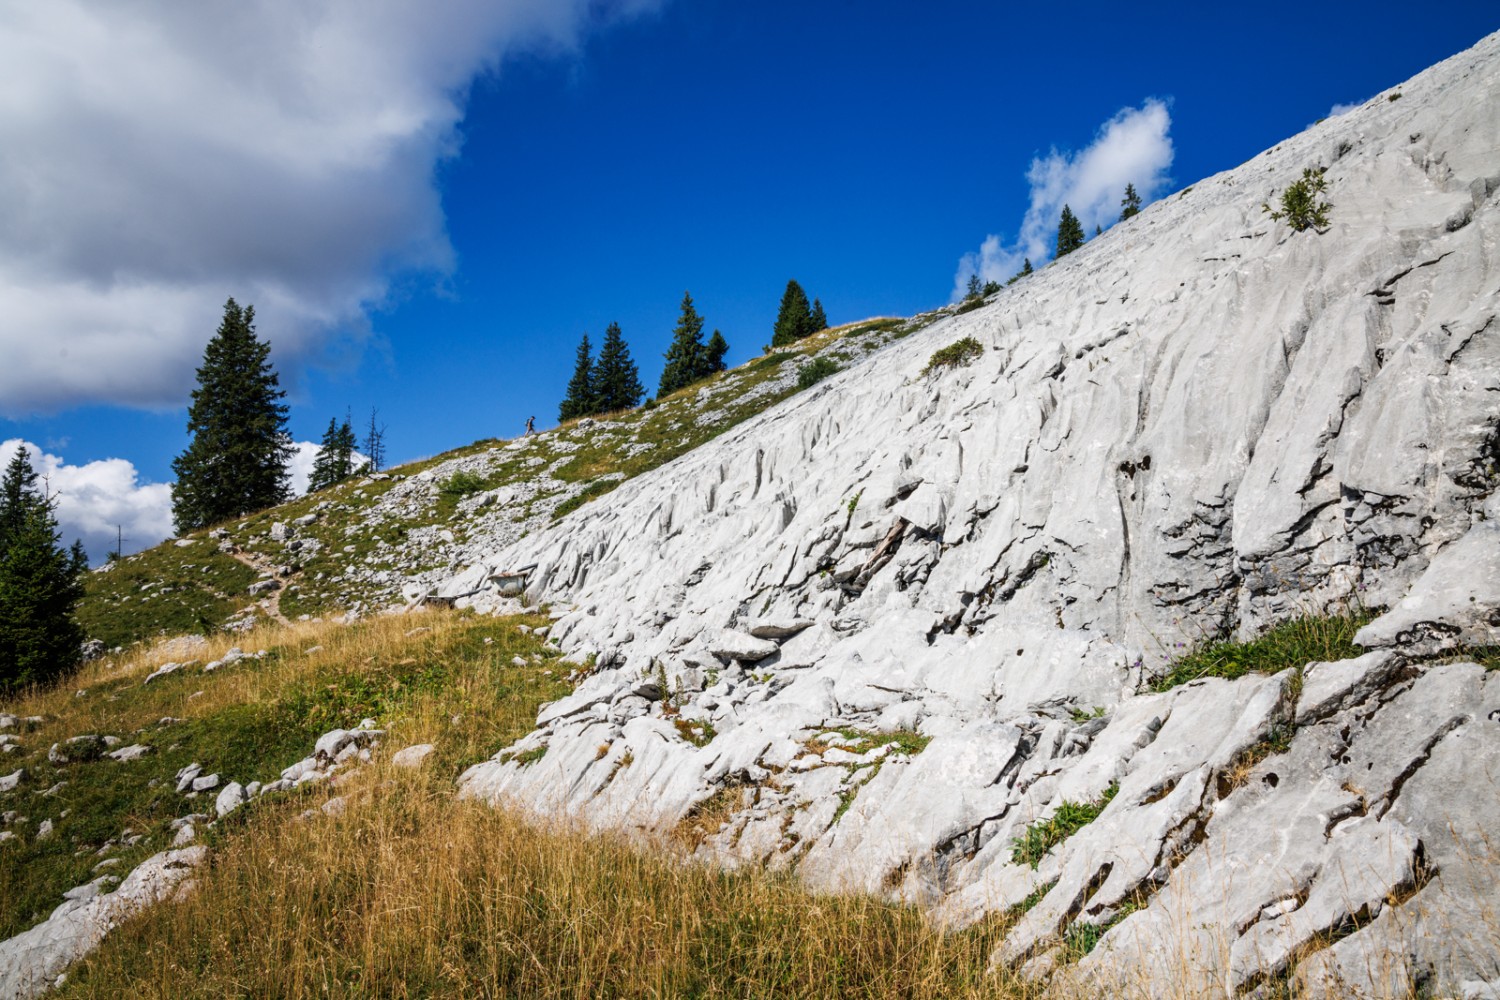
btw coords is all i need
(1343, 109)
(157, 157)
(97, 498)
(1133, 147)
(93, 499)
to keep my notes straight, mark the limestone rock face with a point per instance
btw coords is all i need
(30, 962)
(910, 614)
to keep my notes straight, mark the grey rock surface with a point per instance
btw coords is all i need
(1201, 423)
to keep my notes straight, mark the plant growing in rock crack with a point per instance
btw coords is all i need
(1070, 817)
(1293, 643)
(1301, 204)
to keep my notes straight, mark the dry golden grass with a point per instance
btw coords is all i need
(414, 894)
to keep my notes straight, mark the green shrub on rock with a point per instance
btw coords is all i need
(1300, 206)
(956, 354)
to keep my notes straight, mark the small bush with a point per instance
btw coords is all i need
(461, 484)
(958, 353)
(815, 371)
(1300, 206)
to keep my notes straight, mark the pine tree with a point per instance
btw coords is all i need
(794, 319)
(819, 317)
(714, 353)
(375, 443)
(1098, 229)
(40, 584)
(1069, 233)
(975, 288)
(617, 382)
(325, 466)
(1131, 203)
(19, 484)
(335, 460)
(237, 460)
(579, 402)
(686, 362)
(1025, 266)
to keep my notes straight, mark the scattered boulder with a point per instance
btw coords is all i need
(413, 756)
(12, 781)
(230, 798)
(134, 752)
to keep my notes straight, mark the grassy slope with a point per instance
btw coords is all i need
(411, 892)
(246, 722)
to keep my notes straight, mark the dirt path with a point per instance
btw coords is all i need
(270, 605)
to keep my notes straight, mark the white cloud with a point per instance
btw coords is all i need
(93, 499)
(1131, 148)
(157, 157)
(1343, 109)
(96, 499)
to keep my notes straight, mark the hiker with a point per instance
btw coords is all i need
(530, 426)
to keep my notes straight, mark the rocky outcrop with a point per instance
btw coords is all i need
(1201, 423)
(31, 962)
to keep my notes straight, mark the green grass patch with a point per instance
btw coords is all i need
(955, 355)
(815, 371)
(164, 591)
(1070, 817)
(1294, 643)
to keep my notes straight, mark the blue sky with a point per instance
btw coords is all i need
(428, 210)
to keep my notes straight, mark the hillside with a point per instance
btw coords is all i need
(924, 614)
(377, 542)
(1132, 631)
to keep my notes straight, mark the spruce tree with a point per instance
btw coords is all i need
(1025, 266)
(794, 319)
(975, 289)
(617, 382)
(325, 464)
(1069, 233)
(686, 362)
(1131, 203)
(714, 353)
(40, 583)
(819, 317)
(16, 488)
(237, 460)
(579, 402)
(335, 460)
(375, 443)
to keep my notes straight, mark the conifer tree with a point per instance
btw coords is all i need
(1098, 229)
(335, 459)
(975, 289)
(1130, 204)
(685, 356)
(579, 402)
(40, 583)
(819, 317)
(617, 382)
(237, 460)
(794, 319)
(375, 443)
(714, 352)
(1069, 233)
(1025, 266)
